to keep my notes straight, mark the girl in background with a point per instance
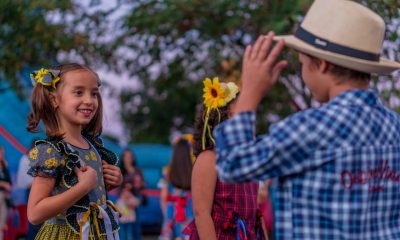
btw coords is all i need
(127, 204)
(265, 205)
(131, 171)
(68, 191)
(223, 211)
(175, 192)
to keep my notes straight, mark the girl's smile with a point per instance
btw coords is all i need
(87, 113)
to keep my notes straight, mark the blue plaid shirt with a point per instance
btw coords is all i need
(337, 166)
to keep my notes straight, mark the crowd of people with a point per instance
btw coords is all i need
(329, 172)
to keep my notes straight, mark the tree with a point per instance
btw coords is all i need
(388, 86)
(40, 33)
(170, 47)
(176, 44)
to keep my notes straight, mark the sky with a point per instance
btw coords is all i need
(112, 124)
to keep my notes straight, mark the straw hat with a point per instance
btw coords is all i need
(345, 33)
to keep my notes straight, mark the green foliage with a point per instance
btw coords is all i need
(33, 33)
(187, 41)
(388, 86)
(192, 39)
(170, 46)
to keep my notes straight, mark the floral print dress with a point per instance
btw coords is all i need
(46, 161)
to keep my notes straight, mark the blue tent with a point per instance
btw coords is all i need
(13, 134)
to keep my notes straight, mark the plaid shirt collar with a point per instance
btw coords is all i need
(356, 97)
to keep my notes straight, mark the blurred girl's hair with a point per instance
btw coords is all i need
(180, 168)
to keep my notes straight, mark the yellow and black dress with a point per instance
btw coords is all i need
(93, 216)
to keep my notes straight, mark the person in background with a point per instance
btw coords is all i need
(265, 207)
(127, 203)
(5, 191)
(131, 171)
(175, 192)
(163, 183)
(24, 181)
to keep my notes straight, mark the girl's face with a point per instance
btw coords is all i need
(128, 187)
(127, 158)
(76, 98)
(137, 181)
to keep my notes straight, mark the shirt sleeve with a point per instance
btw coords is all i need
(241, 157)
(45, 161)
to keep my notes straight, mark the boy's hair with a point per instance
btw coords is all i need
(356, 77)
(214, 119)
(43, 110)
(180, 171)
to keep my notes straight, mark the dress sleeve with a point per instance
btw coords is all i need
(45, 161)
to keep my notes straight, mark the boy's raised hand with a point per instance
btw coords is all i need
(112, 175)
(260, 72)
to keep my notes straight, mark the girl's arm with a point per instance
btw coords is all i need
(163, 198)
(133, 201)
(204, 179)
(5, 185)
(42, 206)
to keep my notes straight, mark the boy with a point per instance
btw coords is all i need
(336, 165)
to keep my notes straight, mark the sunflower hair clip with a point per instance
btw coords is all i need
(45, 77)
(215, 96)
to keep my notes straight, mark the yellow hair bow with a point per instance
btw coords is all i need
(45, 77)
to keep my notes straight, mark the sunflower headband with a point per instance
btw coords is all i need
(215, 95)
(45, 77)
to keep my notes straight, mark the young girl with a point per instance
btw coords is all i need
(222, 210)
(69, 187)
(175, 196)
(127, 203)
(131, 171)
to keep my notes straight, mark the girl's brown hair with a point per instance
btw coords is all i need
(43, 110)
(180, 169)
(214, 119)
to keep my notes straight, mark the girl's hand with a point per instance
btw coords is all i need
(87, 177)
(112, 175)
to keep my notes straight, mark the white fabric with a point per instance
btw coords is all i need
(23, 179)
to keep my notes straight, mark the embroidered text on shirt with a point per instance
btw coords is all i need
(348, 179)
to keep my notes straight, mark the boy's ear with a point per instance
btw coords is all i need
(324, 66)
